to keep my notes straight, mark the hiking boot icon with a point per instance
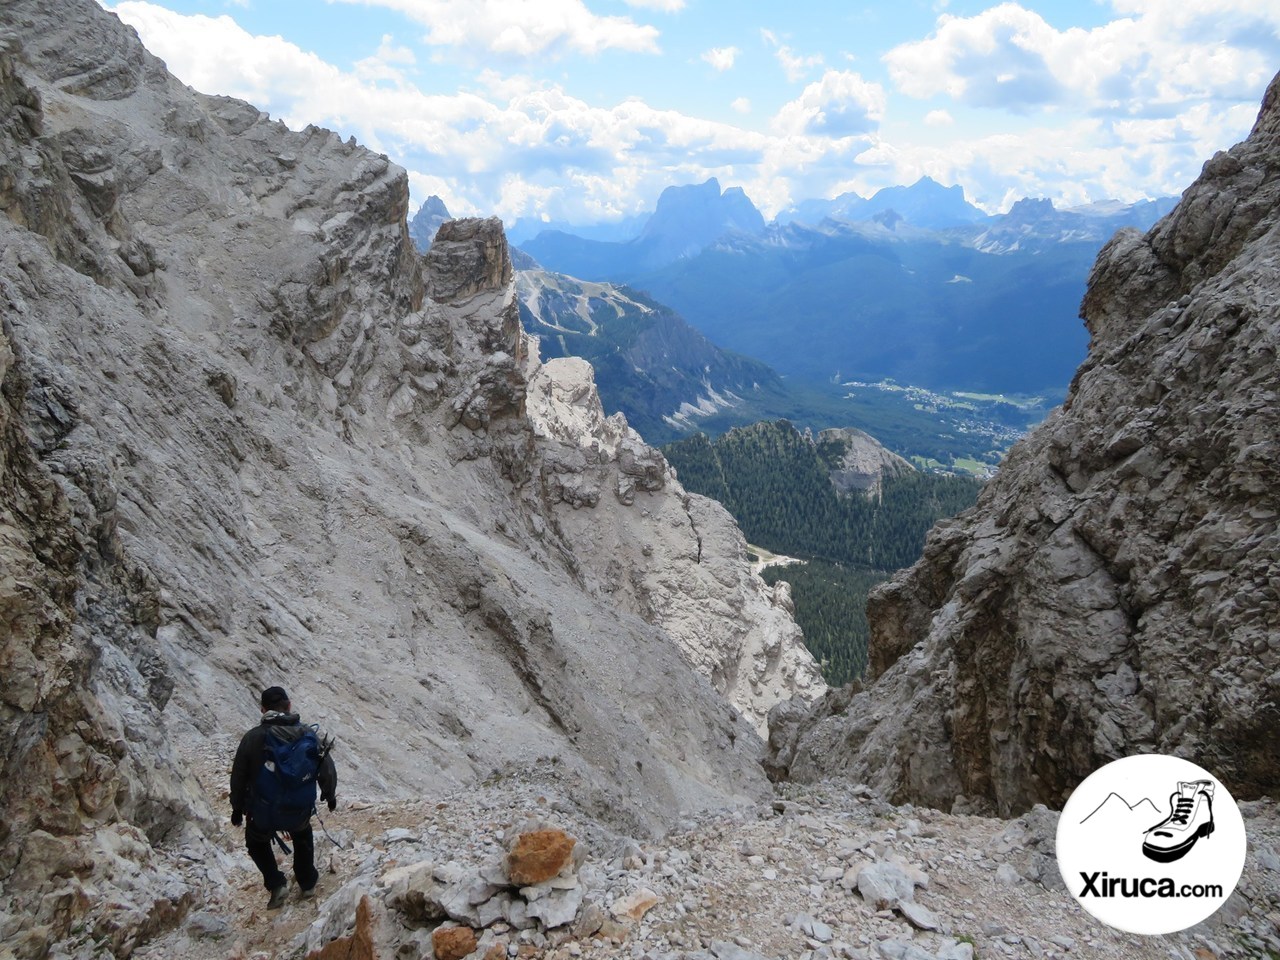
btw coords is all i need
(1190, 818)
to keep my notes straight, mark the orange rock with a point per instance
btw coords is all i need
(496, 952)
(538, 856)
(453, 943)
(358, 946)
(635, 905)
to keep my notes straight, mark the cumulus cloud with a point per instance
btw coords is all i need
(517, 28)
(841, 104)
(721, 58)
(1093, 158)
(517, 146)
(796, 67)
(512, 145)
(995, 59)
(1166, 53)
(939, 118)
(388, 63)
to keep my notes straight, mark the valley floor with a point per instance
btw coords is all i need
(770, 881)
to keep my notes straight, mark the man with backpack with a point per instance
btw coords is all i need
(278, 766)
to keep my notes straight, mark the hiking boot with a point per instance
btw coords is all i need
(277, 897)
(1190, 818)
(307, 893)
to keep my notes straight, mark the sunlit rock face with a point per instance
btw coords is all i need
(249, 436)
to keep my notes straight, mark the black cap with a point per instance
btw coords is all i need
(274, 697)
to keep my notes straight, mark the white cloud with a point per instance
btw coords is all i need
(939, 118)
(993, 59)
(796, 67)
(387, 63)
(389, 52)
(1088, 159)
(516, 146)
(1168, 53)
(841, 104)
(721, 58)
(518, 28)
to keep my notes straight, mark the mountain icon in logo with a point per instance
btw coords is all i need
(1190, 817)
(1116, 809)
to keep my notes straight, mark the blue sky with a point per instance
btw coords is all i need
(585, 109)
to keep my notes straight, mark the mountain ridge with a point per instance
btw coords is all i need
(254, 438)
(1112, 592)
(990, 307)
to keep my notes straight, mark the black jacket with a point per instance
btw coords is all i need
(252, 753)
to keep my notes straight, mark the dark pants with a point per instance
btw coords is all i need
(304, 857)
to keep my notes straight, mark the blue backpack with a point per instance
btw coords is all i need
(284, 794)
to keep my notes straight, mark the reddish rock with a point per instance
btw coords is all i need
(635, 905)
(358, 946)
(538, 856)
(453, 943)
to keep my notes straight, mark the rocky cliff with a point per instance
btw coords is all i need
(249, 436)
(859, 463)
(1117, 588)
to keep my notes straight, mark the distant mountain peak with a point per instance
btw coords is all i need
(691, 216)
(425, 223)
(1032, 207)
(926, 204)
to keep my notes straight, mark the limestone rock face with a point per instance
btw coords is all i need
(674, 559)
(247, 437)
(1116, 590)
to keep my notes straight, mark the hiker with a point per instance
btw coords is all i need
(270, 804)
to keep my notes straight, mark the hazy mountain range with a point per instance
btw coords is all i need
(912, 284)
(852, 312)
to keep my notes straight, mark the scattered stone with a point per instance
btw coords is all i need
(635, 905)
(538, 855)
(902, 950)
(453, 943)
(208, 925)
(884, 885)
(557, 908)
(1007, 875)
(815, 929)
(918, 915)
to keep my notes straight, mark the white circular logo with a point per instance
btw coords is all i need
(1151, 844)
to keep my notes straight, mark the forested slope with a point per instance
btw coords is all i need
(776, 481)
